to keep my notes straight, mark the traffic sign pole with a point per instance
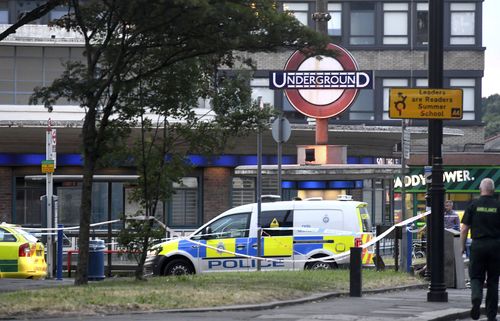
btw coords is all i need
(437, 288)
(280, 152)
(48, 167)
(49, 192)
(281, 131)
(259, 182)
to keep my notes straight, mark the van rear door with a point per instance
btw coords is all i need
(364, 217)
(366, 233)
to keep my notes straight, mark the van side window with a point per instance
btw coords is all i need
(230, 226)
(283, 218)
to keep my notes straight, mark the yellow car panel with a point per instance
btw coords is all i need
(21, 255)
(222, 244)
(278, 246)
(341, 243)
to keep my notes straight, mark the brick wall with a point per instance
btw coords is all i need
(384, 59)
(472, 135)
(5, 194)
(357, 194)
(471, 140)
(216, 185)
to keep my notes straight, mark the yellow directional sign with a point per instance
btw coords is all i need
(425, 103)
(47, 166)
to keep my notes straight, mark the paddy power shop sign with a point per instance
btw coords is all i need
(456, 179)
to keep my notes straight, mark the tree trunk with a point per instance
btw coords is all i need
(89, 163)
(139, 273)
(85, 215)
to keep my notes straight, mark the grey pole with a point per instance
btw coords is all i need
(404, 248)
(321, 16)
(259, 187)
(280, 152)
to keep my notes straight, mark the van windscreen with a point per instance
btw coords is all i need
(365, 219)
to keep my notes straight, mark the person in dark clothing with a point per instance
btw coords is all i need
(482, 217)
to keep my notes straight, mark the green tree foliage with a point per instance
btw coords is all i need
(131, 42)
(177, 132)
(491, 114)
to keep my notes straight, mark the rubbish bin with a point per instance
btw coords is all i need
(96, 260)
(454, 270)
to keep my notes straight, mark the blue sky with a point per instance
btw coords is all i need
(491, 40)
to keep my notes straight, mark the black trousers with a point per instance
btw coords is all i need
(485, 264)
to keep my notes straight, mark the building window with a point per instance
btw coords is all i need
(422, 82)
(70, 197)
(4, 16)
(185, 204)
(23, 68)
(260, 88)
(388, 84)
(362, 24)
(28, 205)
(422, 21)
(25, 6)
(335, 23)
(4, 11)
(299, 10)
(462, 23)
(395, 23)
(243, 191)
(204, 103)
(468, 87)
(69, 205)
(269, 185)
(362, 109)
(58, 12)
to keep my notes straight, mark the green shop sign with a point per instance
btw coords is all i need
(456, 179)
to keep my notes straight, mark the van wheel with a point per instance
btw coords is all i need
(178, 267)
(319, 265)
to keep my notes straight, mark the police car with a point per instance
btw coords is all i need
(295, 236)
(21, 254)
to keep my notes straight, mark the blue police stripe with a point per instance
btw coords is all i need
(308, 245)
(187, 246)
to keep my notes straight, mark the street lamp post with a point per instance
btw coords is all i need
(437, 288)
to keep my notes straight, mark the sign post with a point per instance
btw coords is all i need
(405, 154)
(259, 184)
(281, 131)
(437, 287)
(48, 167)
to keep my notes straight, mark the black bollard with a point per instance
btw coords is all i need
(355, 272)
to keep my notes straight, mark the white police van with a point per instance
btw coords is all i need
(294, 234)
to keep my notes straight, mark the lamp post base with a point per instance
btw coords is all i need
(437, 296)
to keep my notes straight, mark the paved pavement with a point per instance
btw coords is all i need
(404, 304)
(9, 285)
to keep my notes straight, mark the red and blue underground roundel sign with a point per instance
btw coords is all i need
(321, 86)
